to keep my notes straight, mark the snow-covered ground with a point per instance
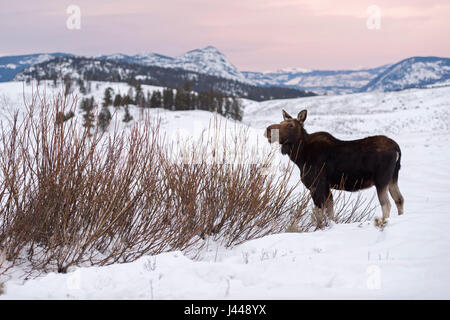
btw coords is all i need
(409, 259)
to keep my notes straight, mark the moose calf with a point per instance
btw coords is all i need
(328, 163)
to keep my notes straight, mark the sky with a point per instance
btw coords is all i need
(255, 35)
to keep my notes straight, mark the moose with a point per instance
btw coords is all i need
(326, 163)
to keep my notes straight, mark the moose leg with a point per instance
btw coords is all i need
(321, 206)
(329, 206)
(319, 217)
(397, 196)
(384, 201)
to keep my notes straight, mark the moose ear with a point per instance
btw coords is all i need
(286, 115)
(302, 116)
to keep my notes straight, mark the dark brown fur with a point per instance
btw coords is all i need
(329, 163)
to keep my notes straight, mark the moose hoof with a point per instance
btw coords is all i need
(381, 223)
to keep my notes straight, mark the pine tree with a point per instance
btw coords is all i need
(127, 117)
(107, 98)
(178, 103)
(82, 87)
(203, 101)
(130, 96)
(194, 101)
(228, 108)
(104, 118)
(117, 100)
(139, 96)
(211, 103)
(182, 100)
(236, 109)
(148, 101)
(187, 96)
(168, 101)
(87, 105)
(67, 85)
(126, 100)
(156, 100)
(220, 104)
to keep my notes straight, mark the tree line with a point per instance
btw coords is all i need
(180, 99)
(93, 69)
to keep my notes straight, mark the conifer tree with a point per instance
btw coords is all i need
(107, 98)
(130, 96)
(168, 101)
(156, 100)
(147, 102)
(117, 100)
(227, 108)
(67, 85)
(87, 105)
(236, 109)
(127, 117)
(104, 118)
(139, 95)
(81, 85)
(126, 100)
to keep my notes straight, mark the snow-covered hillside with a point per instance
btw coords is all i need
(13, 93)
(320, 81)
(12, 65)
(206, 60)
(410, 259)
(416, 72)
(421, 112)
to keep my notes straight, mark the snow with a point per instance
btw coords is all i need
(206, 60)
(319, 81)
(412, 72)
(409, 259)
(290, 70)
(408, 73)
(9, 66)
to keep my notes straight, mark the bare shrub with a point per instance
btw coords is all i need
(70, 196)
(350, 208)
(224, 189)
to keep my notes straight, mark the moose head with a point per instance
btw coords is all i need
(288, 132)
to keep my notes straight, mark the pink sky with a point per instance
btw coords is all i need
(255, 35)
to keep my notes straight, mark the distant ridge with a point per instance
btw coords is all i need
(414, 72)
(207, 60)
(10, 66)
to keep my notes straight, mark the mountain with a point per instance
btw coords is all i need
(415, 72)
(10, 66)
(148, 59)
(207, 60)
(320, 81)
(78, 68)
